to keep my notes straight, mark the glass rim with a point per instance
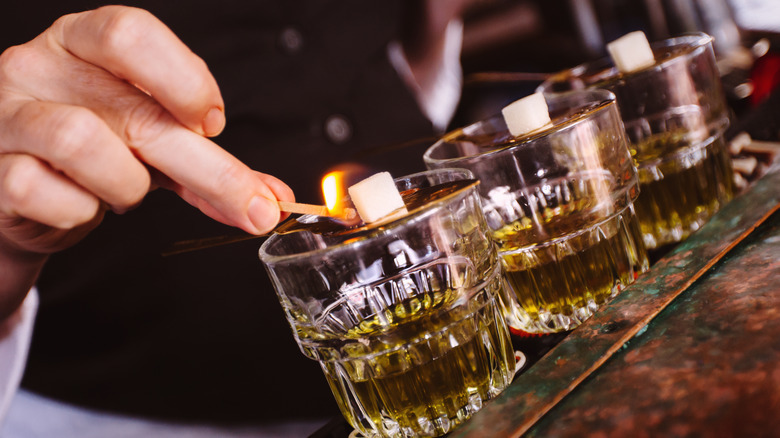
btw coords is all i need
(383, 229)
(695, 40)
(605, 99)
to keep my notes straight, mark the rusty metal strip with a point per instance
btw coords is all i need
(539, 389)
(707, 365)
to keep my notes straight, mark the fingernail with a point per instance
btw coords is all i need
(214, 122)
(263, 213)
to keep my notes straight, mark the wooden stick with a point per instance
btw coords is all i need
(294, 207)
(319, 210)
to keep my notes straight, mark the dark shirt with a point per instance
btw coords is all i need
(202, 336)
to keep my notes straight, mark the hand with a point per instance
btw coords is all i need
(78, 132)
(95, 111)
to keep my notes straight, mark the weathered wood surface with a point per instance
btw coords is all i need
(682, 347)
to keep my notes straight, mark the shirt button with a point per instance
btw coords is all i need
(338, 129)
(291, 40)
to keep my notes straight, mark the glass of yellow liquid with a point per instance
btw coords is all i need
(559, 203)
(675, 115)
(404, 317)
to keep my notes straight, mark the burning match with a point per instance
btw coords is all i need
(318, 210)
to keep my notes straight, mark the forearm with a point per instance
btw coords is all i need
(18, 272)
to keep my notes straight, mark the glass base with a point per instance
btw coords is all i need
(427, 386)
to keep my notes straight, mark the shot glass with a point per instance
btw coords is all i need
(559, 203)
(675, 115)
(404, 318)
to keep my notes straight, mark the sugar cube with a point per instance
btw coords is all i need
(631, 52)
(376, 197)
(526, 115)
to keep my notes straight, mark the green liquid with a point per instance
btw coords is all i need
(428, 385)
(561, 269)
(677, 196)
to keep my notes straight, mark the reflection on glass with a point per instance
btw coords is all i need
(559, 203)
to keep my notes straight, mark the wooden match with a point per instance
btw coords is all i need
(318, 210)
(294, 207)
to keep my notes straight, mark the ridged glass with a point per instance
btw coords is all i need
(675, 116)
(404, 318)
(559, 203)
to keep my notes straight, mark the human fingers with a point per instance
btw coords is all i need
(133, 45)
(279, 189)
(202, 173)
(208, 177)
(75, 141)
(282, 191)
(31, 189)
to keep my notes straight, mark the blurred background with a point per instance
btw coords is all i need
(551, 35)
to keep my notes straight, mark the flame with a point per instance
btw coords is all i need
(334, 192)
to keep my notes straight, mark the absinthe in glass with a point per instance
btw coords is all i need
(682, 184)
(564, 255)
(418, 371)
(404, 316)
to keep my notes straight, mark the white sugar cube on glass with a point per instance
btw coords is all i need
(631, 52)
(526, 115)
(376, 197)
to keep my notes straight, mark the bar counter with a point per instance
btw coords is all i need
(692, 348)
